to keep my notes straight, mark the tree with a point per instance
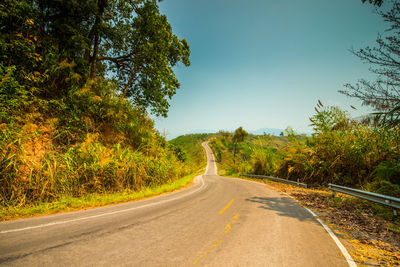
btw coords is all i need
(375, 2)
(139, 49)
(384, 93)
(238, 136)
(128, 41)
(328, 118)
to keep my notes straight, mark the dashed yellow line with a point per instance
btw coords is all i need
(228, 227)
(227, 206)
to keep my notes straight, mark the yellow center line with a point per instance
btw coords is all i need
(227, 206)
(214, 245)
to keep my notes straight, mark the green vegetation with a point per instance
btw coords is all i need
(256, 154)
(238, 136)
(189, 149)
(76, 79)
(375, 2)
(341, 151)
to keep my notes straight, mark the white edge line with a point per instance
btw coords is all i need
(204, 145)
(113, 212)
(344, 251)
(209, 150)
(244, 180)
(106, 214)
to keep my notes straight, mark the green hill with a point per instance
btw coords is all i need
(189, 146)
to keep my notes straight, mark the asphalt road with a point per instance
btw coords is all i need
(216, 222)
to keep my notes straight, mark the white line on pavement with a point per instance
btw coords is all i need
(105, 214)
(344, 251)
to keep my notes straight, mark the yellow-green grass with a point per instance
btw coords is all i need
(68, 203)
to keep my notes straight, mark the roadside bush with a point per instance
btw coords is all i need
(346, 153)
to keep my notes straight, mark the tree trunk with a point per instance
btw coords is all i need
(131, 79)
(94, 56)
(97, 38)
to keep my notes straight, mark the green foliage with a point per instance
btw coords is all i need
(341, 151)
(76, 79)
(328, 118)
(13, 97)
(264, 161)
(153, 50)
(375, 2)
(57, 46)
(388, 170)
(257, 155)
(179, 153)
(218, 146)
(188, 148)
(238, 136)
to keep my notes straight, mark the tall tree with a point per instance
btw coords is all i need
(136, 45)
(383, 94)
(125, 40)
(143, 55)
(238, 136)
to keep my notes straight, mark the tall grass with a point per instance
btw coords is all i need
(91, 142)
(88, 167)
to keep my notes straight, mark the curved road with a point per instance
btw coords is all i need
(217, 222)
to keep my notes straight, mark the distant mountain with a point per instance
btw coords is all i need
(271, 131)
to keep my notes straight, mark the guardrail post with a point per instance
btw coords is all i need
(394, 212)
(333, 191)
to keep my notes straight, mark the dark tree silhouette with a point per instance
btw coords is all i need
(238, 137)
(383, 94)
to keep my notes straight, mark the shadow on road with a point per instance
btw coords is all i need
(284, 206)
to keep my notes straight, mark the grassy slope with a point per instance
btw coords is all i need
(266, 148)
(190, 144)
(52, 156)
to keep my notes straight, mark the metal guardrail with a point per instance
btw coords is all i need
(378, 198)
(275, 179)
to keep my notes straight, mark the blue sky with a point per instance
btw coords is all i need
(265, 64)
